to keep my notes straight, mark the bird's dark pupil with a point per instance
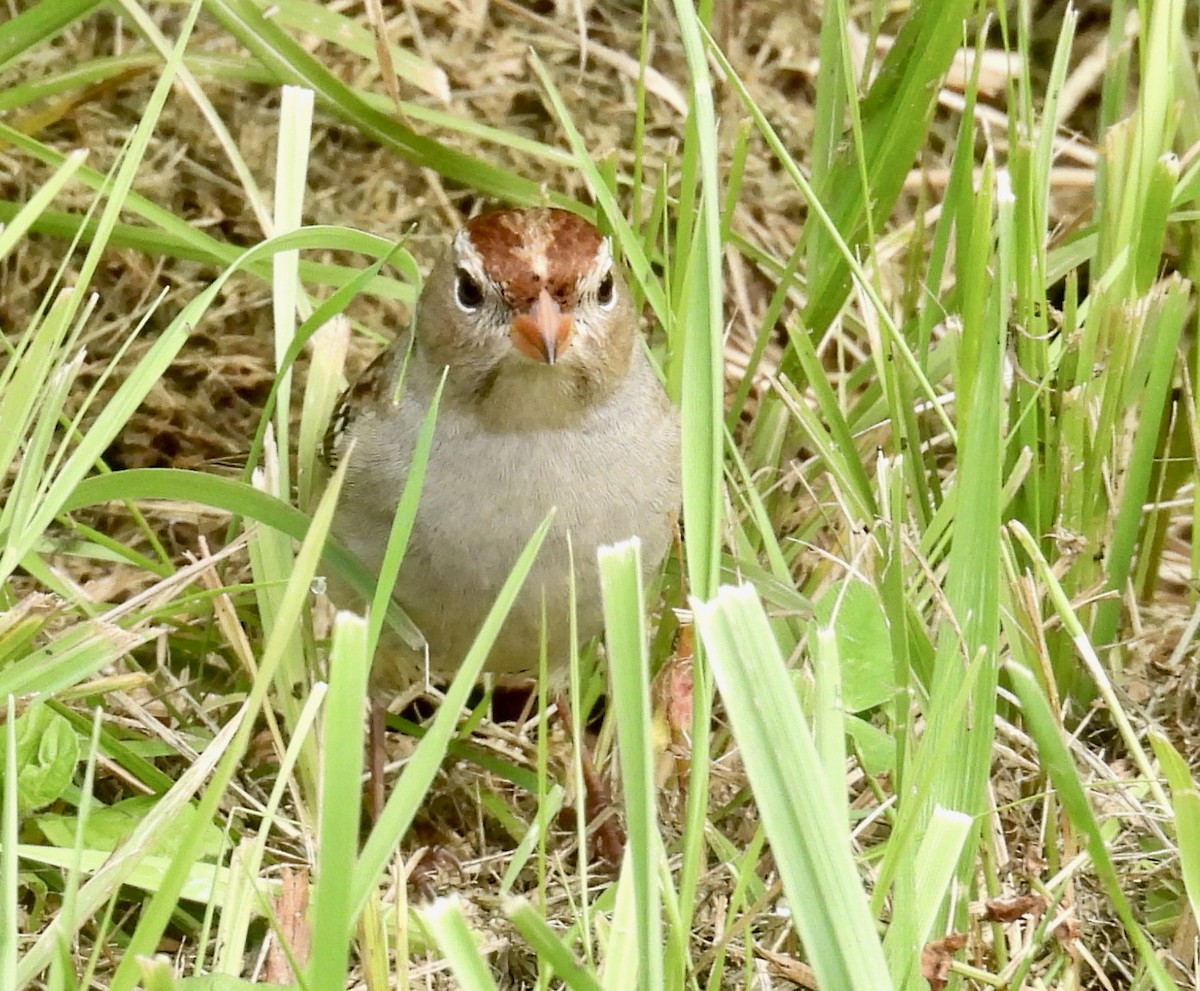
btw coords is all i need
(469, 292)
(605, 292)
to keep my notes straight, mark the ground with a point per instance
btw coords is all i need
(205, 409)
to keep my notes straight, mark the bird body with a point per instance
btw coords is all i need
(550, 402)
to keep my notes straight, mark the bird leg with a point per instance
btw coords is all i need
(376, 740)
(608, 835)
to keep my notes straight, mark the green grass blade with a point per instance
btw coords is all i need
(811, 846)
(9, 906)
(1058, 766)
(1185, 802)
(419, 772)
(531, 924)
(341, 800)
(157, 913)
(444, 920)
(404, 518)
(40, 23)
(288, 60)
(625, 635)
(895, 115)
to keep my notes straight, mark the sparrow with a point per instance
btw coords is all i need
(549, 402)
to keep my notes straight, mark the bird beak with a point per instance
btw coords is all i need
(543, 333)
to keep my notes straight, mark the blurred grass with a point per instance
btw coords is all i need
(919, 389)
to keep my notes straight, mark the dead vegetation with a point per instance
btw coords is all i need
(207, 407)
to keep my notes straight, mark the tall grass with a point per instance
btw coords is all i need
(915, 538)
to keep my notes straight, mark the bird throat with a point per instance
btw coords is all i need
(524, 396)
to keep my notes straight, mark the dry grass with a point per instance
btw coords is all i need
(207, 407)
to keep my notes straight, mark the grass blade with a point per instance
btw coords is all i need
(811, 847)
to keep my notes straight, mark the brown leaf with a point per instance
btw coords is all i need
(788, 967)
(1068, 931)
(1011, 908)
(671, 698)
(937, 956)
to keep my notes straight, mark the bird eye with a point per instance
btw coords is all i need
(606, 291)
(467, 291)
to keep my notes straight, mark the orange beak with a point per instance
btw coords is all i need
(543, 333)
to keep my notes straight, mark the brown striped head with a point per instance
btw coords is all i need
(528, 304)
(527, 251)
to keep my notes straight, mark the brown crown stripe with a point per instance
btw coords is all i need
(528, 250)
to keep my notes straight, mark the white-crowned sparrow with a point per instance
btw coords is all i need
(550, 401)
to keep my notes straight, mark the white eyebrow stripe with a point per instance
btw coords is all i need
(604, 258)
(469, 258)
